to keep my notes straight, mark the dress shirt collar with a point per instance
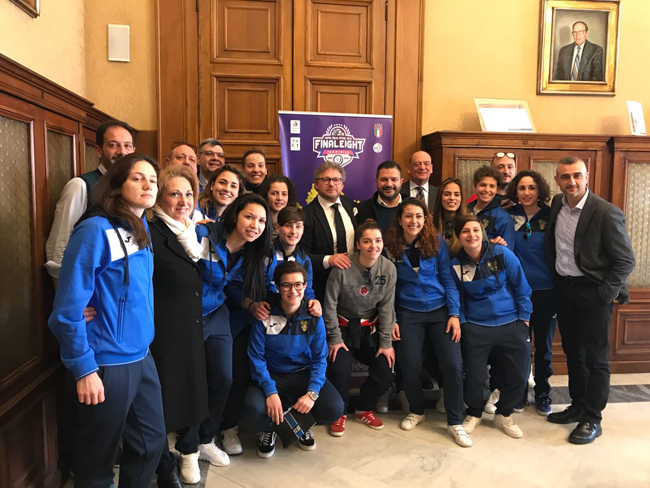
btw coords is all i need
(383, 204)
(580, 204)
(101, 168)
(425, 187)
(326, 203)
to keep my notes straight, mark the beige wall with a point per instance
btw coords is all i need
(488, 49)
(124, 90)
(52, 44)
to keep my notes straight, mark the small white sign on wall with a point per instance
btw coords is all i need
(504, 115)
(119, 48)
(637, 122)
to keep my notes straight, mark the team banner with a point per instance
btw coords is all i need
(359, 143)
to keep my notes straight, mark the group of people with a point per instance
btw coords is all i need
(192, 298)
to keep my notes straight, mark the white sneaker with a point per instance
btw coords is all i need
(440, 404)
(531, 380)
(403, 401)
(230, 441)
(491, 405)
(212, 454)
(508, 425)
(190, 473)
(411, 420)
(470, 423)
(382, 404)
(459, 435)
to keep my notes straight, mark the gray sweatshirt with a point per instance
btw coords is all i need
(349, 295)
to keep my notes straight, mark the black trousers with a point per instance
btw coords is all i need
(132, 412)
(542, 327)
(584, 320)
(241, 380)
(415, 327)
(510, 345)
(380, 374)
(291, 386)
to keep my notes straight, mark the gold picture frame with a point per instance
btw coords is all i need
(591, 25)
(32, 7)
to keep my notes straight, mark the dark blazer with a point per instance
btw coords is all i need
(602, 248)
(591, 63)
(178, 345)
(433, 193)
(368, 210)
(318, 242)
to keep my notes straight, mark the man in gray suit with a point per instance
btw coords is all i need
(589, 249)
(581, 60)
(419, 169)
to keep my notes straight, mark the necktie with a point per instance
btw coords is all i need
(420, 195)
(576, 64)
(341, 239)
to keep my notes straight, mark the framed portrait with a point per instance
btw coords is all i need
(32, 7)
(578, 47)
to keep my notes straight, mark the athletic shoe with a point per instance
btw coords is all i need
(543, 403)
(403, 402)
(212, 454)
(382, 404)
(470, 423)
(266, 448)
(190, 473)
(440, 404)
(337, 429)
(508, 425)
(459, 435)
(368, 418)
(411, 421)
(230, 441)
(307, 441)
(491, 405)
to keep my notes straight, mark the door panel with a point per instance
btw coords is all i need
(339, 56)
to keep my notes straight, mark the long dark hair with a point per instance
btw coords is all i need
(254, 252)
(206, 199)
(395, 242)
(446, 228)
(108, 195)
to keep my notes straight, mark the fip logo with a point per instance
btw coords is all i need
(338, 145)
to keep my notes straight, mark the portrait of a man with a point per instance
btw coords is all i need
(582, 60)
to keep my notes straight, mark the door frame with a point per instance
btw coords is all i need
(177, 89)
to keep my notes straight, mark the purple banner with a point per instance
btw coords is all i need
(359, 143)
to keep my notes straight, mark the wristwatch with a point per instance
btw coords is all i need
(312, 394)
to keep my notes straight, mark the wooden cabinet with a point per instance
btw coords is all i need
(619, 171)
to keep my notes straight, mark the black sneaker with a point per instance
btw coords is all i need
(307, 441)
(266, 449)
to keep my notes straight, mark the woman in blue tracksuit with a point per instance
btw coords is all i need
(233, 247)
(487, 206)
(494, 313)
(225, 184)
(530, 217)
(288, 358)
(108, 265)
(427, 304)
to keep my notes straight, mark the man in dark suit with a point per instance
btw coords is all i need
(382, 205)
(330, 225)
(419, 169)
(589, 249)
(581, 60)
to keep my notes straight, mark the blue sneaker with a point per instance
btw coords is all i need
(543, 404)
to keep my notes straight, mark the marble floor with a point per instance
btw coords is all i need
(427, 456)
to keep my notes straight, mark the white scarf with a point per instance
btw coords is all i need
(184, 231)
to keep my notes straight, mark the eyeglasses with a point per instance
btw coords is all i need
(175, 144)
(299, 285)
(327, 181)
(527, 231)
(211, 154)
(368, 277)
(504, 154)
(579, 32)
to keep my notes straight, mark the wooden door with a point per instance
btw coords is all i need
(340, 56)
(245, 63)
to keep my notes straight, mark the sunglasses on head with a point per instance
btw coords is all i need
(503, 154)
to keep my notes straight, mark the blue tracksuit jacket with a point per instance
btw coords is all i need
(529, 246)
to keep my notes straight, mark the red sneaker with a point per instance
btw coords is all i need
(337, 429)
(369, 419)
